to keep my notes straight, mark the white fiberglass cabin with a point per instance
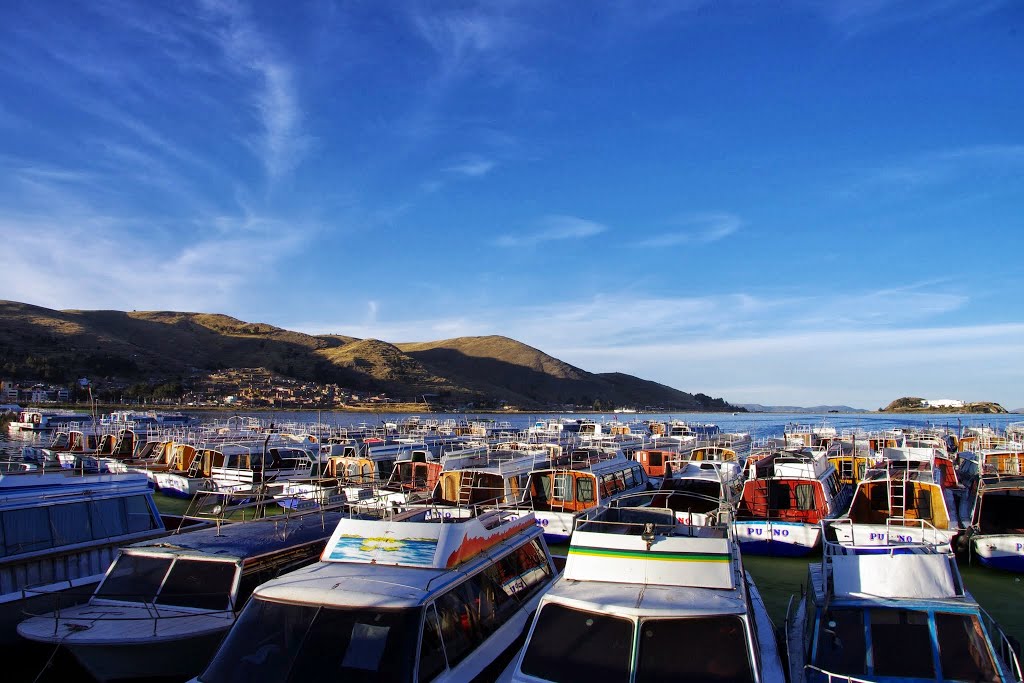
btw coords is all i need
(646, 599)
(417, 597)
(556, 496)
(165, 604)
(59, 531)
(906, 499)
(892, 612)
(784, 499)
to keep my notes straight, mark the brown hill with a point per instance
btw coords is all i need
(155, 346)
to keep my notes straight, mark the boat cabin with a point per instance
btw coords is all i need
(644, 598)
(897, 613)
(654, 460)
(416, 597)
(181, 592)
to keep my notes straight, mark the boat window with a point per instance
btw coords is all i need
(573, 646)
(135, 578)
(26, 530)
(585, 489)
(140, 514)
(107, 517)
(721, 639)
(273, 642)
(524, 571)
(963, 652)
(862, 469)
(198, 583)
(432, 661)
(901, 643)
(630, 479)
(840, 645)
(923, 502)
(879, 497)
(780, 495)
(655, 458)
(562, 487)
(466, 615)
(805, 496)
(70, 523)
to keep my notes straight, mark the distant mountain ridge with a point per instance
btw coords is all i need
(758, 408)
(152, 346)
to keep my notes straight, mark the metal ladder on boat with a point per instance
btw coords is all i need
(195, 466)
(897, 493)
(465, 487)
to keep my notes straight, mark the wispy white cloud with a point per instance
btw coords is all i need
(702, 228)
(863, 349)
(470, 39)
(939, 167)
(553, 228)
(283, 142)
(472, 166)
(854, 17)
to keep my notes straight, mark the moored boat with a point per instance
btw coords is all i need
(785, 497)
(164, 605)
(557, 495)
(415, 597)
(889, 612)
(647, 598)
(61, 530)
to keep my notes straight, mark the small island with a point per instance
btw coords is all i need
(913, 404)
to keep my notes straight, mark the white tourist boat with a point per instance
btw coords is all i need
(892, 611)
(906, 498)
(416, 597)
(61, 530)
(785, 497)
(165, 604)
(646, 598)
(557, 495)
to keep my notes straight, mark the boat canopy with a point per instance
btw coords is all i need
(424, 538)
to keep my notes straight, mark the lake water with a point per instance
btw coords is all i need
(1001, 593)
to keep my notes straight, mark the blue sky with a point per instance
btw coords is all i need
(796, 203)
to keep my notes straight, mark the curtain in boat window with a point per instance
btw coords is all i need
(70, 524)
(585, 489)
(805, 496)
(27, 530)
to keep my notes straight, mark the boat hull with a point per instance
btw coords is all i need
(1002, 551)
(779, 539)
(179, 658)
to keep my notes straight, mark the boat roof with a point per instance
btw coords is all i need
(241, 540)
(646, 600)
(36, 485)
(900, 570)
(791, 465)
(362, 584)
(423, 538)
(648, 546)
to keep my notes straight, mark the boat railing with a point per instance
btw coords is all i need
(817, 674)
(1005, 646)
(632, 512)
(156, 613)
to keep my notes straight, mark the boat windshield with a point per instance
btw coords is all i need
(722, 638)
(274, 642)
(576, 646)
(202, 584)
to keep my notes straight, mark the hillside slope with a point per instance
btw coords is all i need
(153, 346)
